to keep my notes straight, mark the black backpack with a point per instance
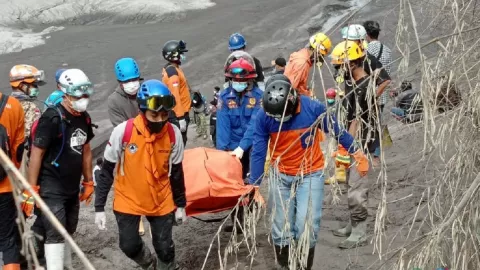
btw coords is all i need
(4, 140)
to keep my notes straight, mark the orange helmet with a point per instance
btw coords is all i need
(23, 74)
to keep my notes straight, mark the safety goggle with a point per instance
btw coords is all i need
(160, 103)
(240, 72)
(79, 90)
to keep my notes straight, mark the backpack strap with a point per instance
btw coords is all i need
(171, 134)
(127, 135)
(380, 52)
(3, 103)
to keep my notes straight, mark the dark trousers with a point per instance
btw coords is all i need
(131, 243)
(39, 231)
(66, 211)
(245, 160)
(9, 236)
(173, 120)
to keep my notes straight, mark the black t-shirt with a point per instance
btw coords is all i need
(365, 114)
(62, 181)
(370, 64)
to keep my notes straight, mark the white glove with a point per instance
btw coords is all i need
(180, 215)
(100, 220)
(238, 152)
(226, 85)
(183, 125)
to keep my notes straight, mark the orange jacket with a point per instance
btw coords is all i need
(144, 188)
(174, 78)
(13, 119)
(297, 70)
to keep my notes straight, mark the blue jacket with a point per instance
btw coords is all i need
(235, 115)
(305, 154)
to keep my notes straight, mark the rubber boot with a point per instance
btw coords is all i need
(12, 266)
(357, 238)
(311, 255)
(166, 266)
(54, 255)
(282, 257)
(345, 231)
(340, 176)
(145, 258)
(67, 259)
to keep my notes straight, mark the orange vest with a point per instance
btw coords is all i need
(13, 118)
(144, 187)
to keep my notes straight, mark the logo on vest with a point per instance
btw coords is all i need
(132, 148)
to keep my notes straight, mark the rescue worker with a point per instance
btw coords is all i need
(121, 103)
(408, 107)
(173, 76)
(199, 108)
(236, 109)
(60, 156)
(213, 115)
(12, 121)
(149, 178)
(25, 88)
(56, 96)
(383, 54)
(237, 42)
(285, 116)
(361, 123)
(300, 62)
(279, 65)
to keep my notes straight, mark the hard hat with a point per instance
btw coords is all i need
(321, 42)
(346, 51)
(354, 32)
(23, 74)
(236, 41)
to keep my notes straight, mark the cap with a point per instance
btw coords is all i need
(280, 61)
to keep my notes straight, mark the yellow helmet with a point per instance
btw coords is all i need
(321, 42)
(346, 51)
(23, 73)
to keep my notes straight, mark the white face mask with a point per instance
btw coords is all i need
(131, 88)
(80, 105)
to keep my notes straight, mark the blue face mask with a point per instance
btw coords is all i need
(330, 101)
(239, 86)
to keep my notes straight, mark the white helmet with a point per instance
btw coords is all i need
(354, 32)
(75, 83)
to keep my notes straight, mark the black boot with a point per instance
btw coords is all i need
(145, 259)
(282, 257)
(311, 255)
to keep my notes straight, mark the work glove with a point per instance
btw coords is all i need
(342, 157)
(101, 220)
(180, 215)
(28, 202)
(86, 192)
(238, 152)
(362, 162)
(183, 125)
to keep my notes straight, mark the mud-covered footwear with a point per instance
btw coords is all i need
(167, 266)
(145, 259)
(357, 238)
(345, 231)
(282, 257)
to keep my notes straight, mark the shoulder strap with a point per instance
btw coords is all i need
(127, 134)
(3, 103)
(171, 134)
(380, 52)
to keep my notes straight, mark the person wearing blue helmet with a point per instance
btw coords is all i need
(56, 96)
(237, 42)
(121, 103)
(149, 178)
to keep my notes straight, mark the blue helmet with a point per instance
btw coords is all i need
(154, 95)
(236, 42)
(126, 69)
(58, 73)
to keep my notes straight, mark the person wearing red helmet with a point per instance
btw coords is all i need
(331, 94)
(236, 108)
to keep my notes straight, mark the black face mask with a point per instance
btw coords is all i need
(155, 127)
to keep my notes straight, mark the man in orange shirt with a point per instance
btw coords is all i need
(12, 124)
(173, 76)
(299, 64)
(149, 180)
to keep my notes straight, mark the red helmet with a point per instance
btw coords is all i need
(331, 93)
(241, 69)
